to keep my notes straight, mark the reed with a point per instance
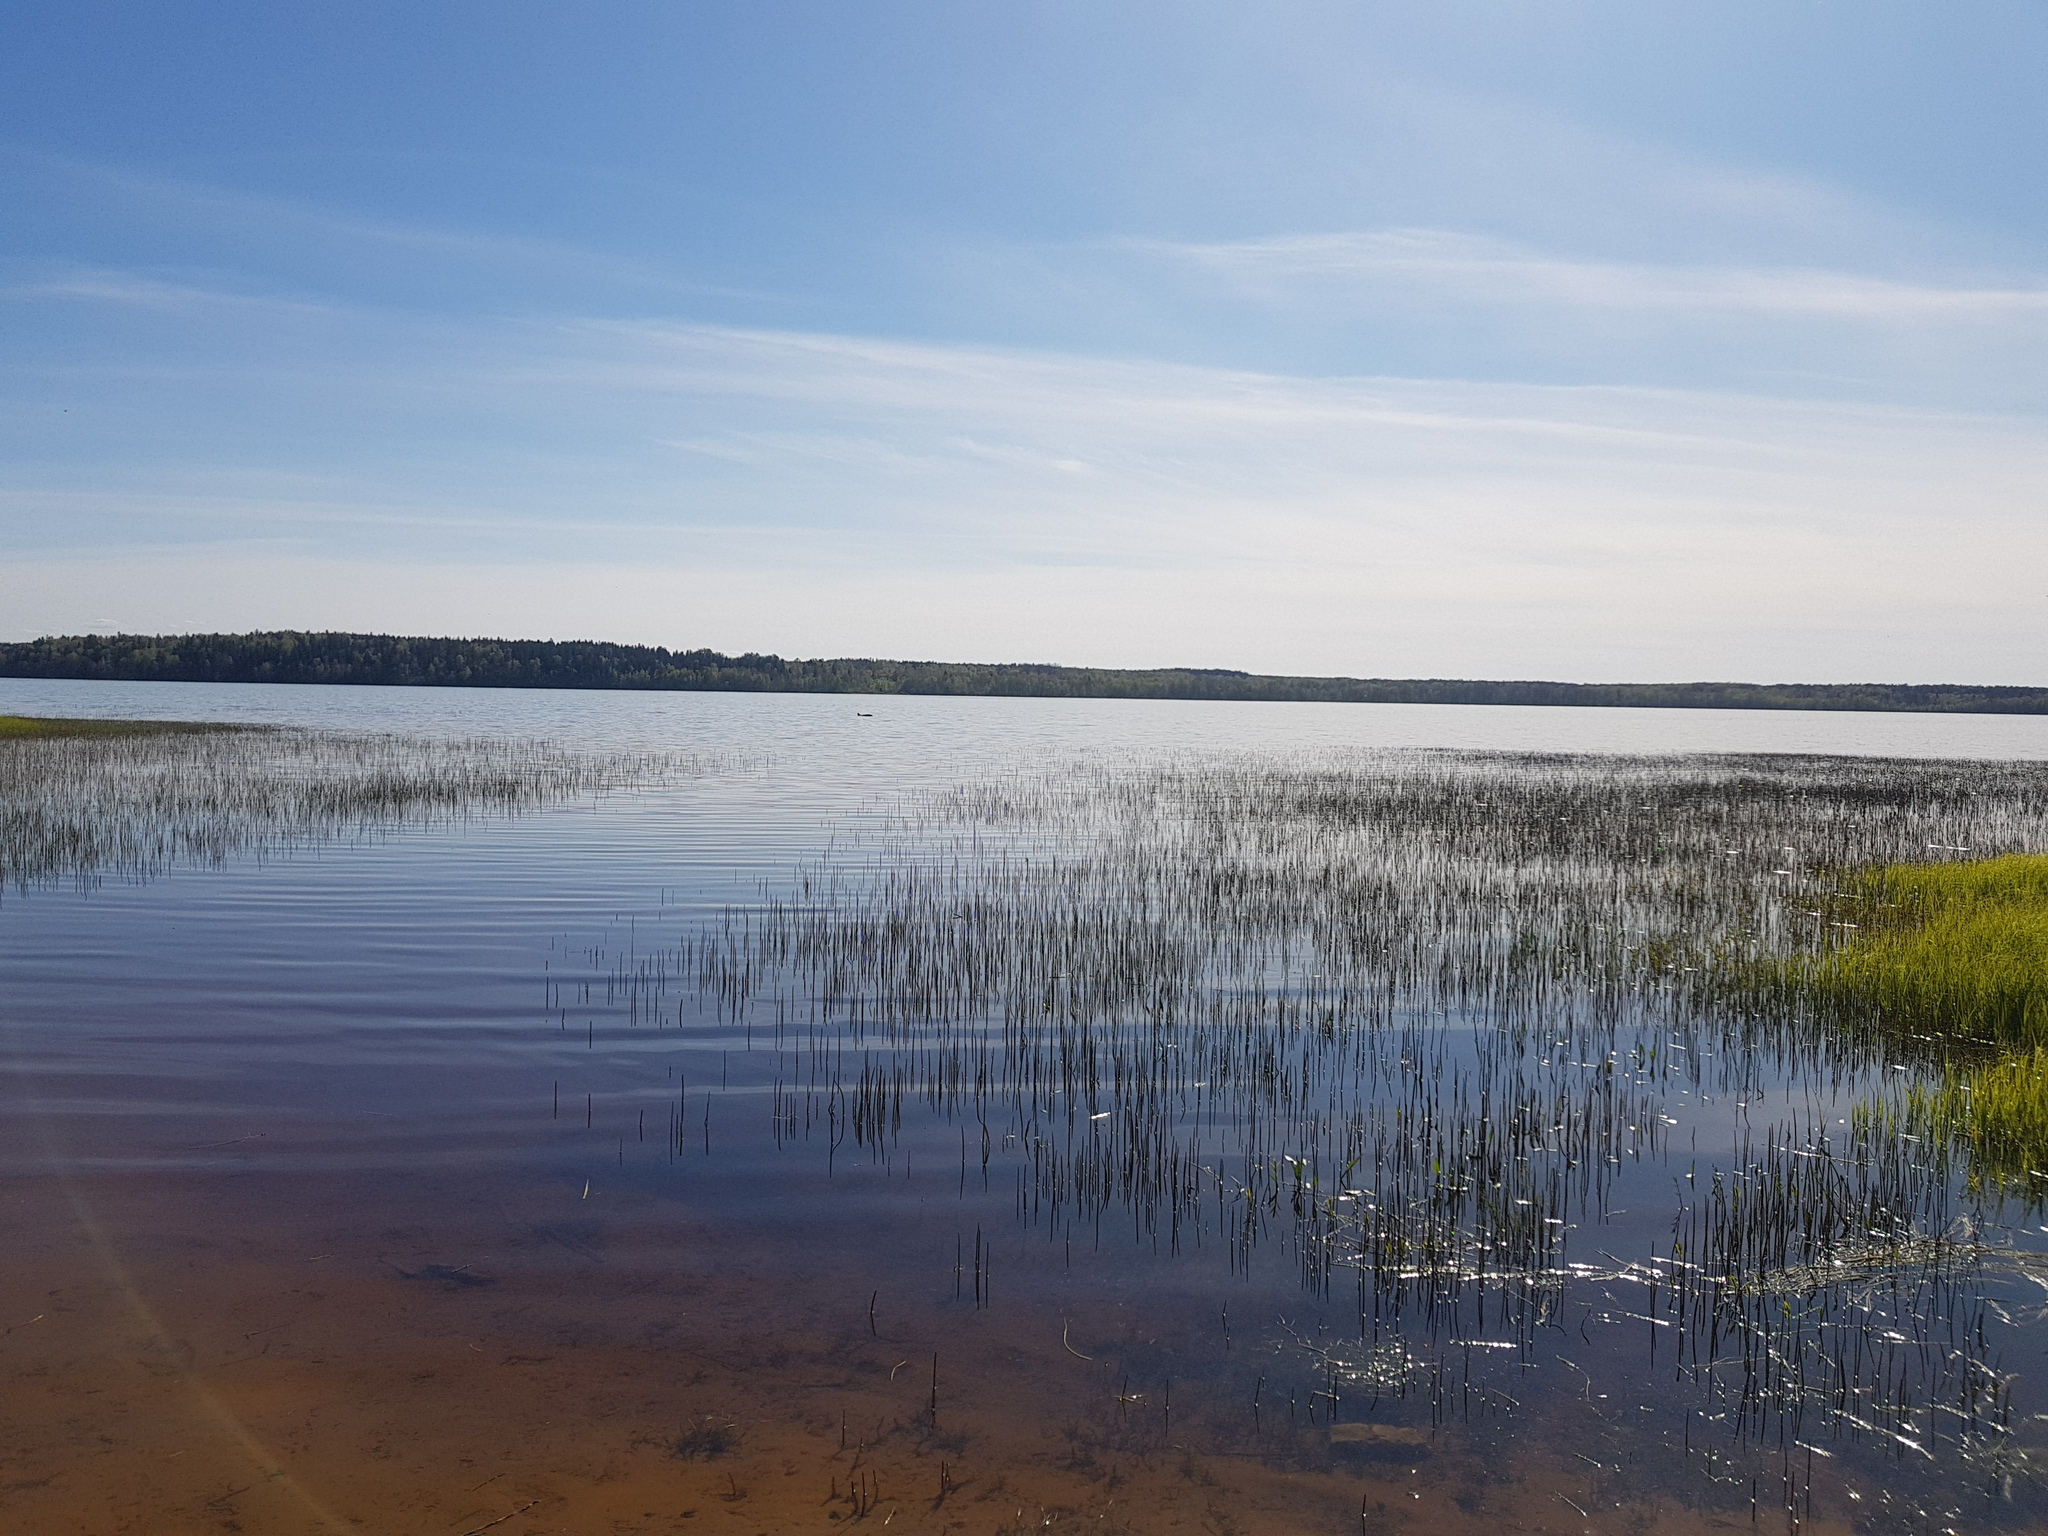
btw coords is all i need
(1958, 949)
(1409, 1020)
(136, 798)
(1998, 1112)
(1951, 959)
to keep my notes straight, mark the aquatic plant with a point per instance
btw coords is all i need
(22, 727)
(1408, 1018)
(1998, 1111)
(133, 799)
(1950, 958)
(1956, 949)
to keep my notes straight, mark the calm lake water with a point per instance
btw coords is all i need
(428, 1181)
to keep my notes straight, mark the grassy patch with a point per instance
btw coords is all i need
(1950, 949)
(31, 727)
(1960, 950)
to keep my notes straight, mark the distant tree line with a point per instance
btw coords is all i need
(294, 656)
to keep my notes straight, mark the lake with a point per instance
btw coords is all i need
(994, 1115)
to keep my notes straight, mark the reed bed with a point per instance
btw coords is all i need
(1411, 1019)
(1953, 953)
(1959, 949)
(82, 805)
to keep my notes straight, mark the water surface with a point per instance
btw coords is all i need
(428, 1179)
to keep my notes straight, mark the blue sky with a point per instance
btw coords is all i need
(1621, 340)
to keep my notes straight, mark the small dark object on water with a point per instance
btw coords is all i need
(454, 1275)
(707, 1440)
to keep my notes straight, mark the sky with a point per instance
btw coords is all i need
(1628, 340)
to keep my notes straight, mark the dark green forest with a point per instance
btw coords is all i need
(293, 656)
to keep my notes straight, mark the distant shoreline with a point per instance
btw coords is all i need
(398, 661)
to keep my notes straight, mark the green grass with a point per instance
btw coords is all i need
(1960, 950)
(1998, 1112)
(29, 727)
(1949, 949)
(2016, 880)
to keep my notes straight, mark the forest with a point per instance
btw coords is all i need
(297, 656)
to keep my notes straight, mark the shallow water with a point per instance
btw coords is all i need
(372, 1186)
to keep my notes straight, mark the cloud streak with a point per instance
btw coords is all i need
(804, 491)
(1490, 271)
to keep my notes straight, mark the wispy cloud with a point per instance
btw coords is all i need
(1491, 271)
(834, 492)
(302, 245)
